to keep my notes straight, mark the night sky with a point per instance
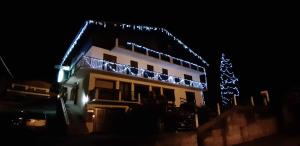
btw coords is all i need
(262, 42)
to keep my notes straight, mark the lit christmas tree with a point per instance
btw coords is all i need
(228, 82)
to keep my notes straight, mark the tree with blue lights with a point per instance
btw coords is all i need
(228, 83)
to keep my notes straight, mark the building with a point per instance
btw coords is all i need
(119, 66)
(31, 87)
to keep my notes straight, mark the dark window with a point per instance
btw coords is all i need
(142, 90)
(176, 61)
(187, 79)
(110, 58)
(177, 80)
(165, 71)
(133, 64)
(169, 94)
(140, 50)
(200, 69)
(150, 67)
(202, 78)
(109, 94)
(128, 47)
(165, 57)
(155, 92)
(106, 89)
(149, 72)
(153, 54)
(194, 67)
(185, 64)
(125, 89)
(190, 97)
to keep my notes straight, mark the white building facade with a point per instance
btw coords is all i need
(126, 75)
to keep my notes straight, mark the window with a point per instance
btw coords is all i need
(165, 71)
(164, 76)
(187, 79)
(190, 97)
(165, 57)
(202, 78)
(156, 92)
(176, 61)
(177, 80)
(106, 89)
(133, 64)
(142, 90)
(110, 58)
(149, 72)
(194, 67)
(153, 54)
(185, 64)
(140, 50)
(125, 89)
(169, 94)
(201, 69)
(150, 67)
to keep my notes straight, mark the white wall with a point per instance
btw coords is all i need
(124, 56)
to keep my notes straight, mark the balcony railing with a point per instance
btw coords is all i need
(115, 95)
(104, 65)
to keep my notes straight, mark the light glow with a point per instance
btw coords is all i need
(129, 27)
(85, 99)
(60, 76)
(160, 53)
(228, 82)
(138, 72)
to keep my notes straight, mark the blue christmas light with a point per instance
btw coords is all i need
(99, 64)
(228, 82)
(160, 53)
(132, 27)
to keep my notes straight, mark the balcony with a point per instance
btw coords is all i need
(115, 96)
(103, 65)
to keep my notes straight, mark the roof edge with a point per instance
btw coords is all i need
(128, 26)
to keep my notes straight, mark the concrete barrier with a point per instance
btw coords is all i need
(214, 141)
(238, 130)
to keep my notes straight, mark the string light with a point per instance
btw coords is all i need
(228, 81)
(160, 53)
(139, 72)
(132, 27)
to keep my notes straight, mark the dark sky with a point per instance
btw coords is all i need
(261, 41)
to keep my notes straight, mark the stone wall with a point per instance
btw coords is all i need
(239, 129)
(177, 139)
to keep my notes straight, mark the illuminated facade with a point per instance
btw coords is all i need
(117, 66)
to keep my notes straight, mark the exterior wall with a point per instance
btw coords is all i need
(238, 129)
(83, 84)
(69, 89)
(178, 91)
(124, 56)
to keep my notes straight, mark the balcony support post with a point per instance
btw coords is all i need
(132, 91)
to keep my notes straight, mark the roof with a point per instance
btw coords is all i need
(123, 26)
